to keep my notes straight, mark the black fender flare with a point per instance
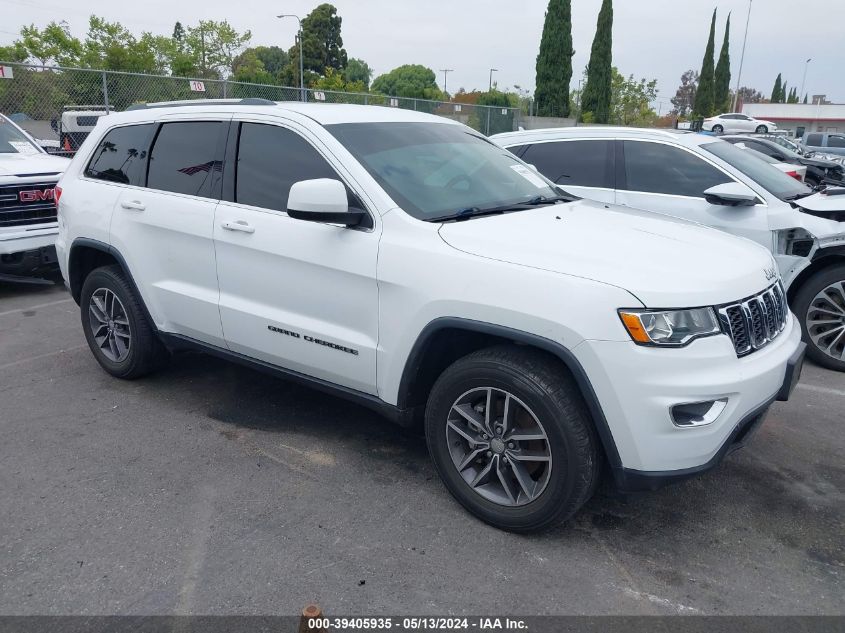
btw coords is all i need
(414, 360)
(121, 261)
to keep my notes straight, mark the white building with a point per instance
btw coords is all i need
(798, 118)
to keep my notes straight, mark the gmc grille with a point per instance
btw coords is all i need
(755, 322)
(38, 205)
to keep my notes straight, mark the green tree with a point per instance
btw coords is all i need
(410, 80)
(704, 96)
(554, 62)
(722, 78)
(322, 46)
(334, 80)
(491, 120)
(777, 90)
(51, 45)
(14, 52)
(213, 47)
(805, 98)
(595, 102)
(631, 100)
(685, 94)
(110, 46)
(248, 68)
(357, 70)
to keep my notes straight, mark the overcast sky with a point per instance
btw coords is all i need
(651, 38)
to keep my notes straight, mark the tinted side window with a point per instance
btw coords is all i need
(768, 150)
(580, 163)
(184, 158)
(658, 168)
(835, 141)
(270, 160)
(518, 150)
(122, 155)
(814, 140)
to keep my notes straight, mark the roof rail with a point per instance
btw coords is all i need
(199, 102)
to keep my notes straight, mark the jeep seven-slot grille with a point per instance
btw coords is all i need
(25, 204)
(755, 322)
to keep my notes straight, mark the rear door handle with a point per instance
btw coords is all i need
(239, 225)
(133, 205)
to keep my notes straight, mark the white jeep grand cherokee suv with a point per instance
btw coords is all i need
(27, 205)
(405, 262)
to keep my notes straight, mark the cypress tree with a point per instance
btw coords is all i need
(554, 62)
(805, 97)
(722, 81)
(776, 90)
(704, 98)
(783, 97)
(597, 93)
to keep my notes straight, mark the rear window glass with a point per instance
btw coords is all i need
(580, 163)
(121, 156)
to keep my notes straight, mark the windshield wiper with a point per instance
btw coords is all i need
(475, 212)
(798, 196)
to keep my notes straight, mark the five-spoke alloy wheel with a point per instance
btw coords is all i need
(511, 438)
(499, 446)
(116, 326)
(109, 324)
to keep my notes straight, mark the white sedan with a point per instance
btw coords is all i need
(735, 122)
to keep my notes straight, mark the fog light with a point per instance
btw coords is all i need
(692, 414)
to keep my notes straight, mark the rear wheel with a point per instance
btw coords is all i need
(511, 439)
(718, 129)
(762, 129)
(820, 306)
(116, 328)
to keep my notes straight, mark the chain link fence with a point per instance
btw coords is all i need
(60, 105)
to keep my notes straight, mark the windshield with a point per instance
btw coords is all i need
(770, 178)
(13, 141)
(433, 170)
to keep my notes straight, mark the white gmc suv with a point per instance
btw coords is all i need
(405, 262)
(27, 205)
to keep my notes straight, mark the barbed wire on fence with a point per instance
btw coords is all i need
(38, 95)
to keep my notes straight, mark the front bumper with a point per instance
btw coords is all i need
(638, 386)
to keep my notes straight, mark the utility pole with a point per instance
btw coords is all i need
(302, 95)
(445, 72)
(742, 57)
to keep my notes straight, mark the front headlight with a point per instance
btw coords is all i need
(671, 328)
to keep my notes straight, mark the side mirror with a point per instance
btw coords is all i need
(322, 200)
(731, 194)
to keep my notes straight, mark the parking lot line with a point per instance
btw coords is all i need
(40, 356)
(825, 390)
(35, 307)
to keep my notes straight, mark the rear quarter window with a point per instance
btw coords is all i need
(121, 155)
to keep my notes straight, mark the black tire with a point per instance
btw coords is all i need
(146, 353)
(762, 129)
(717, 129)
(803, 305)
(545, 386)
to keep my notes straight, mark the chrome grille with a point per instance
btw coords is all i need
(38, 205)
(755, 322)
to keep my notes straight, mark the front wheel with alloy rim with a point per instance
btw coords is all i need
(820, 306)
(762, 129)
(510, 437)
(717, 129)
(117, 330)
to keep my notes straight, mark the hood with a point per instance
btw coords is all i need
(823, 202)
(665, 262)
(819, 162)
(15, 164)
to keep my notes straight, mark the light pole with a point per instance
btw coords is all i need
(806, 65)
(742, 57)
(492, 70)
(302, 96)
(445, 72)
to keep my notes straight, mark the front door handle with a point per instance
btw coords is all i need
(133, 205)
(239, 225)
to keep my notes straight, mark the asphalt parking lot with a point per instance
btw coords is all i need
(212, 489)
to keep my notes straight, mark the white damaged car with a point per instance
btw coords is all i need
(710, 181)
